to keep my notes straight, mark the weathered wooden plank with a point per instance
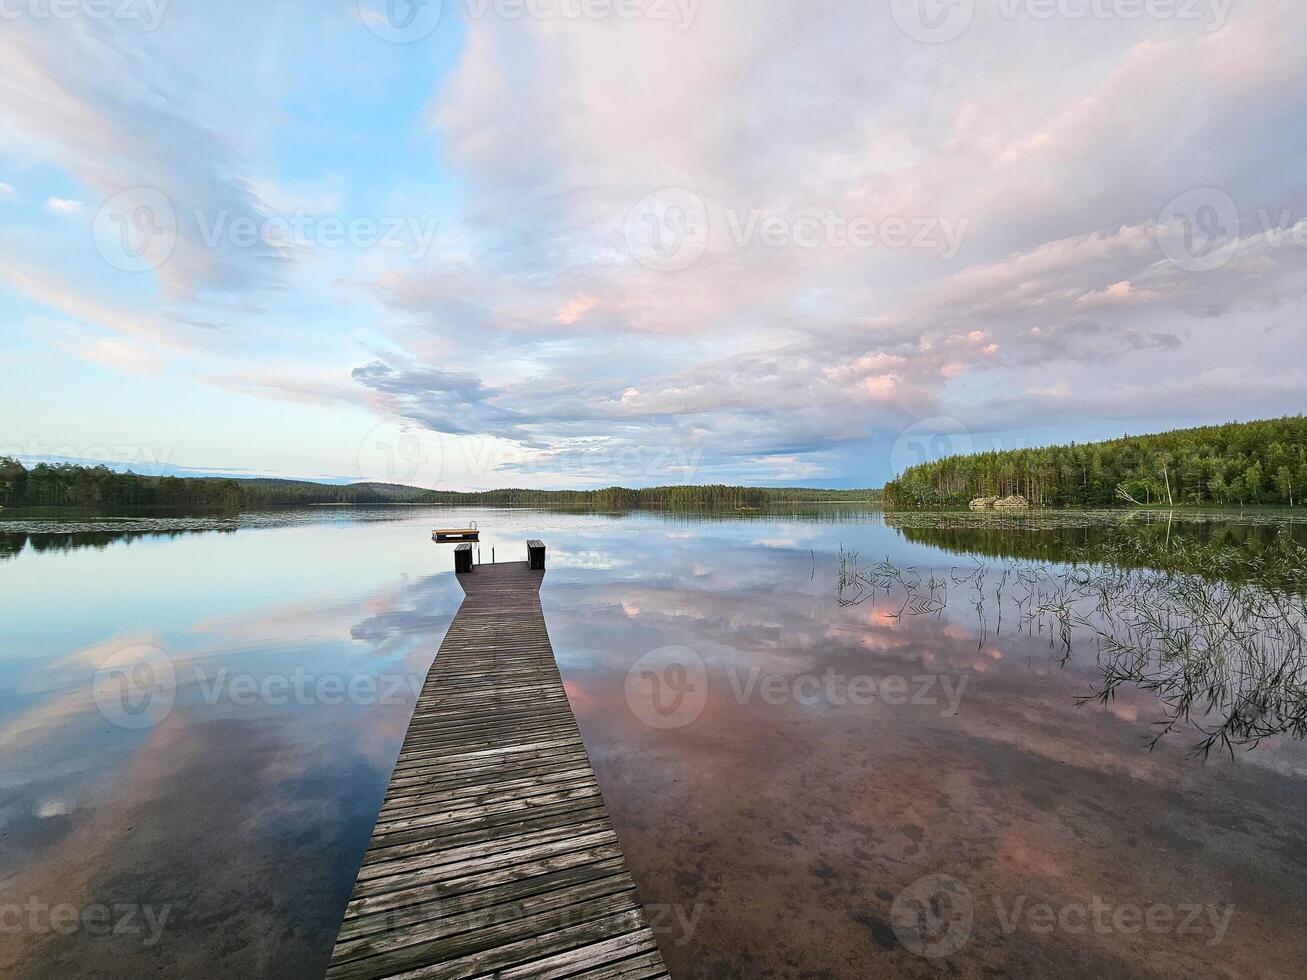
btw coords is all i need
(613, 937)
(481, 878)
(493, 853)
(586, 868)
(483, 789)
(436, 837)
(484, 930)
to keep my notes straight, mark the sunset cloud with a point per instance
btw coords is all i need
(646, 237)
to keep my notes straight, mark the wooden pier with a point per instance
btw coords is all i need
(443, 534)
(493, 854)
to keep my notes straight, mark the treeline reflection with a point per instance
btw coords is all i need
(1217, 547)
(14, 543)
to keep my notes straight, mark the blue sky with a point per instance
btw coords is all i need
(490, 242)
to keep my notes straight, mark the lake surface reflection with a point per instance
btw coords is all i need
(813, 790)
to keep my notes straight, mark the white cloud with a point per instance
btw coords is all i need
(112, 352)
(88, 101)
(61, 205)
(1058, 390)
(1118, 294)
(773, 360)
(66, 297)
(791, 351)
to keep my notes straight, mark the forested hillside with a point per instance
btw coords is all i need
(1238, 463)
(97, 486)
(289, 492)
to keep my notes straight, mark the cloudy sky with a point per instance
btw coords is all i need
(574, 242)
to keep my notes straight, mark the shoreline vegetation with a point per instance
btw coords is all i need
(1238, 464)
(71, 486)
(1219, 635)
(1216, 544)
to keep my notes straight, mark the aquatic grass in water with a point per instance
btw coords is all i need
(1222, 644)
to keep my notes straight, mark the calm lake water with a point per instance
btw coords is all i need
(777, 819)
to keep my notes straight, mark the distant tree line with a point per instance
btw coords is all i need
(1237, 463)
(64, 485)
(301, 493)
(263, 493)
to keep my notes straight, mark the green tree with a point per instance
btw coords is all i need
(13, 481)
(1284, 484)
(1238, 490)
(1252, 481)
(1218, 488)
(1212, 464)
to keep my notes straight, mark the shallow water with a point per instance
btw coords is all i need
(783, 813)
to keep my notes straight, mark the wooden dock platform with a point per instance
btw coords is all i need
(493, 854)
(444, 534)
